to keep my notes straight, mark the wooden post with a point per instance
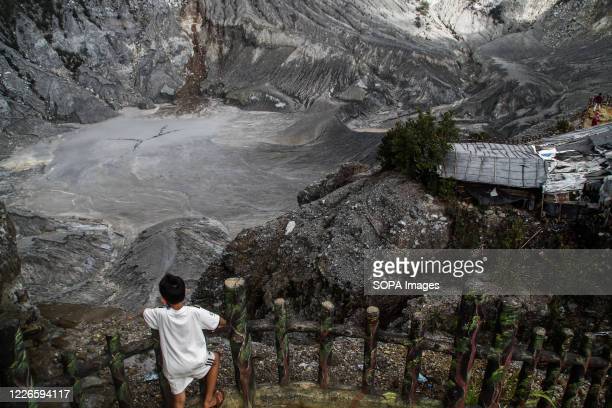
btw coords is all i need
(598, 377)
(325, 342)
(122, 390)
(281, 341)
(159, 368)
(577, 372)
(370, 349)
(465, 347)
(70, 371)
(608, 396)
(240, 340)
(500, 355)
(8, 330)
(526, 376)
(413, 358)
(20, 369)
(561, 344)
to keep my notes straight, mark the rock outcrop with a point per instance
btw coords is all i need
(16, 311)
(84, 261)
(10, 264)
(65, 259)
(183, 247)
(347, 173)
(317, 252)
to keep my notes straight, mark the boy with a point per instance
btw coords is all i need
(183, 345)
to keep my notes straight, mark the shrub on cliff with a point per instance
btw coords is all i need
(418, 146)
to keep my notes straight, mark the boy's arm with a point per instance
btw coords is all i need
(139, 314)
(221, 326)
(150, 318)
(208, 320)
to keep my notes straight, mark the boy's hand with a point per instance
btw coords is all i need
(137, 315)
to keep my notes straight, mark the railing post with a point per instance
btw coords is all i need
(598, 377)
(413, 358)
(370, 348)
(240, 340)
(577, 372)
(561, 344)
(325, 342)
(526, 376)
(159, 368)
(117, 369)
(608, 396)
(500, 356)
(70, 371)
(465, 347)
(8, 330)
(14, 364)
(281, 341)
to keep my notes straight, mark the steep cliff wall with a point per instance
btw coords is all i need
(80, 61)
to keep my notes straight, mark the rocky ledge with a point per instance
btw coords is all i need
(317, 251)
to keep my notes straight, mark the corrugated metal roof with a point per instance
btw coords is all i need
(493, 163)
(494, 150)
(598, 132)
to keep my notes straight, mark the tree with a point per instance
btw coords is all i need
(418, 146)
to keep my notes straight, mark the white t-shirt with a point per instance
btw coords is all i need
(182, 342)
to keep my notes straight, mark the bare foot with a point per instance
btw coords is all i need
(217, 401)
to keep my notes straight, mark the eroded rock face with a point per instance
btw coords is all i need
(10, 264)
(316, 252)
(81, 61)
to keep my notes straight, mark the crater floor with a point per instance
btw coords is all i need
(141, 168)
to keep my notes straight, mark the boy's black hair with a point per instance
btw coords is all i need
(172, 288)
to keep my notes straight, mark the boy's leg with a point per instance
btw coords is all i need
(179, 400)
(210, 399)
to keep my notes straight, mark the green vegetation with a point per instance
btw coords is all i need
(423, 7)
(535, 396)
(563, 126)
(465, 232)
(512, 233)
(480, 137)
(417, 148)
(496, 14)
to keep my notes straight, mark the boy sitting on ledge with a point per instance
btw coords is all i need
(183, 345)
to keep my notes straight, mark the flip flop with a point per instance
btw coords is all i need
(220, 397)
